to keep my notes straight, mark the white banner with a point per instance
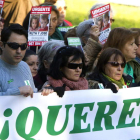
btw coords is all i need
(79, 115)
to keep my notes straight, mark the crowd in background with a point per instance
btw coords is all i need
(58, 67)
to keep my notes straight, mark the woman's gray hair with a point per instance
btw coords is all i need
(48, 51)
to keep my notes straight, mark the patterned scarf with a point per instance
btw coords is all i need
(70, 85)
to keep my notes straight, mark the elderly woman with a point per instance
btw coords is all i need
(67, 71)
(45, 56)
(124, 40)
(87, 29)
(109, 71)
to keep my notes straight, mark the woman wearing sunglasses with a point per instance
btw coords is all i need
(109, 71)
(124, 39)
(67, 71)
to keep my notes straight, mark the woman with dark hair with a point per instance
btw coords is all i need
(124, 40)
(67, 71)
(45, 56)
(31, 59)
(109, 71)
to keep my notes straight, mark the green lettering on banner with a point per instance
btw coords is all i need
(125, 112)
(78, 117)
(52, 117)
(21, 123)
(101, 114)
(5, 130)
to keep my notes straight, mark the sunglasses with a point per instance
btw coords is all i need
(116, 64)
(15, 46)
(74, 66)
(112, 20)
(60, 8)
(2, 20)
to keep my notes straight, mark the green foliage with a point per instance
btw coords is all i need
(125, 16)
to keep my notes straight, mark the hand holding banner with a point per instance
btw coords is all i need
(80, 114)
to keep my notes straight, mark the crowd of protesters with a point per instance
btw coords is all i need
(58, 67)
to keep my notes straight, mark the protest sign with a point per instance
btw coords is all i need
(39, 25)
(1, 3)
(101, 17)
(1, 6)
(80, 115)
(75, 42)
(65, 28)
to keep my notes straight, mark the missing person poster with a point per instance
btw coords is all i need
(39, 25)
(101, 17)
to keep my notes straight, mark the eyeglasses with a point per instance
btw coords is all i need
(15, 46)
(116, 64)
(61, 8)
(2, 20)
(74, 65)
(112, 20)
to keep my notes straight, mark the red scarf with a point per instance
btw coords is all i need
(70, 85)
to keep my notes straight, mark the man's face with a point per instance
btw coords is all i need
(10, 55)
(43, 23)
(53, 23)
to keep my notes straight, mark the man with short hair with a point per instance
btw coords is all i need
(15, 75)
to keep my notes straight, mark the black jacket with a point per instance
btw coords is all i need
(97, 77)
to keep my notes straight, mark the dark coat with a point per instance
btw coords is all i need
(97, 77)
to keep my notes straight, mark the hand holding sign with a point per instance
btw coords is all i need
(94, 32)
